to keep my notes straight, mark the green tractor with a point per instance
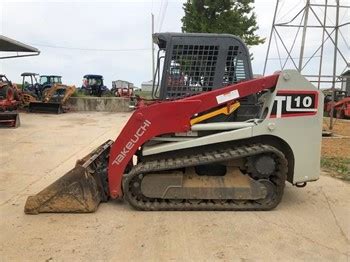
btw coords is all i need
(39, 87)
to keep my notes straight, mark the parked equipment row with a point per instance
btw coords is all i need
(44, 94)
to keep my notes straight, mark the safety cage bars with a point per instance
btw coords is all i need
(190, 69)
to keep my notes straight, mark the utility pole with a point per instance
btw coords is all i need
(322, 45)
(152, 46)
(334, 63)
(270, 39)
(307, 7)
(328, 33)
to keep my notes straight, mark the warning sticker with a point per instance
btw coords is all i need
(227, 97)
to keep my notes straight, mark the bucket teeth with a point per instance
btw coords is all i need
(79, 191)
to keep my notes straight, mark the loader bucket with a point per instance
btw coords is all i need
(9, 119)
(79, 191)
(42, 107)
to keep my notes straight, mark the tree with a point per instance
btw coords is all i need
(222, 16)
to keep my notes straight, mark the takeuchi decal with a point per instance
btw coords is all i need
(132, 141)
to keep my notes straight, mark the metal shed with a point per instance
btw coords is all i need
(345, 77)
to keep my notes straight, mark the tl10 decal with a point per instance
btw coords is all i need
(294, 103)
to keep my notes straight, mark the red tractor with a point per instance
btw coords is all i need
(124, 92)
(122, 88)
(342, 108)
(9, 101)
(341, 104)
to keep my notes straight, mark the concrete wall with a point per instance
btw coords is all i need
(100, 104)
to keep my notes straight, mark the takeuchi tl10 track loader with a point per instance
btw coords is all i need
(215, 140)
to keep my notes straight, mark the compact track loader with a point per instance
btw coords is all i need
(215, 140)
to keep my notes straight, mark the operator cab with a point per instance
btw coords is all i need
(4, 79)
(192, 63)
(93, 80)
(93, 85)
(37, 85)
(30, 83)
(50, 80)
(47, 81)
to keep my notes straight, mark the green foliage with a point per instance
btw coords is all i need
(78, 93)
(108, 94)
(338, 166)
(144, 94)
(222, 16)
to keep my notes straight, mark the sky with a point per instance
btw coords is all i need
(113, 38)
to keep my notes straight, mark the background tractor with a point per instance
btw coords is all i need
(122, 88)
(38, 85)
(341, 103)
(9, 102)
(93, 85)
(47, 81)
(48, 95)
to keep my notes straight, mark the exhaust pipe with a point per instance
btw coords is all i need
(79, 191)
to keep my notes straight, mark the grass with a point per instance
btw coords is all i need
(144, 94)
(338, 167)
(78, 93)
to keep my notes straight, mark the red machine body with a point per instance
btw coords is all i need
(9, 117)
(124, 92)
(9, 103)
(341, 108)
(175, 115)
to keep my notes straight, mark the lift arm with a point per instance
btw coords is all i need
(171, 117)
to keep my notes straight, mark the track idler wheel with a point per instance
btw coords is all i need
(79, 191)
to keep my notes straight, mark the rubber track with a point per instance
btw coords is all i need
(209, 157)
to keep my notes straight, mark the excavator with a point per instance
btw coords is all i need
(216, 140)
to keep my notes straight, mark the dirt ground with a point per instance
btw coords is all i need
(311, 223)
(337, 145)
